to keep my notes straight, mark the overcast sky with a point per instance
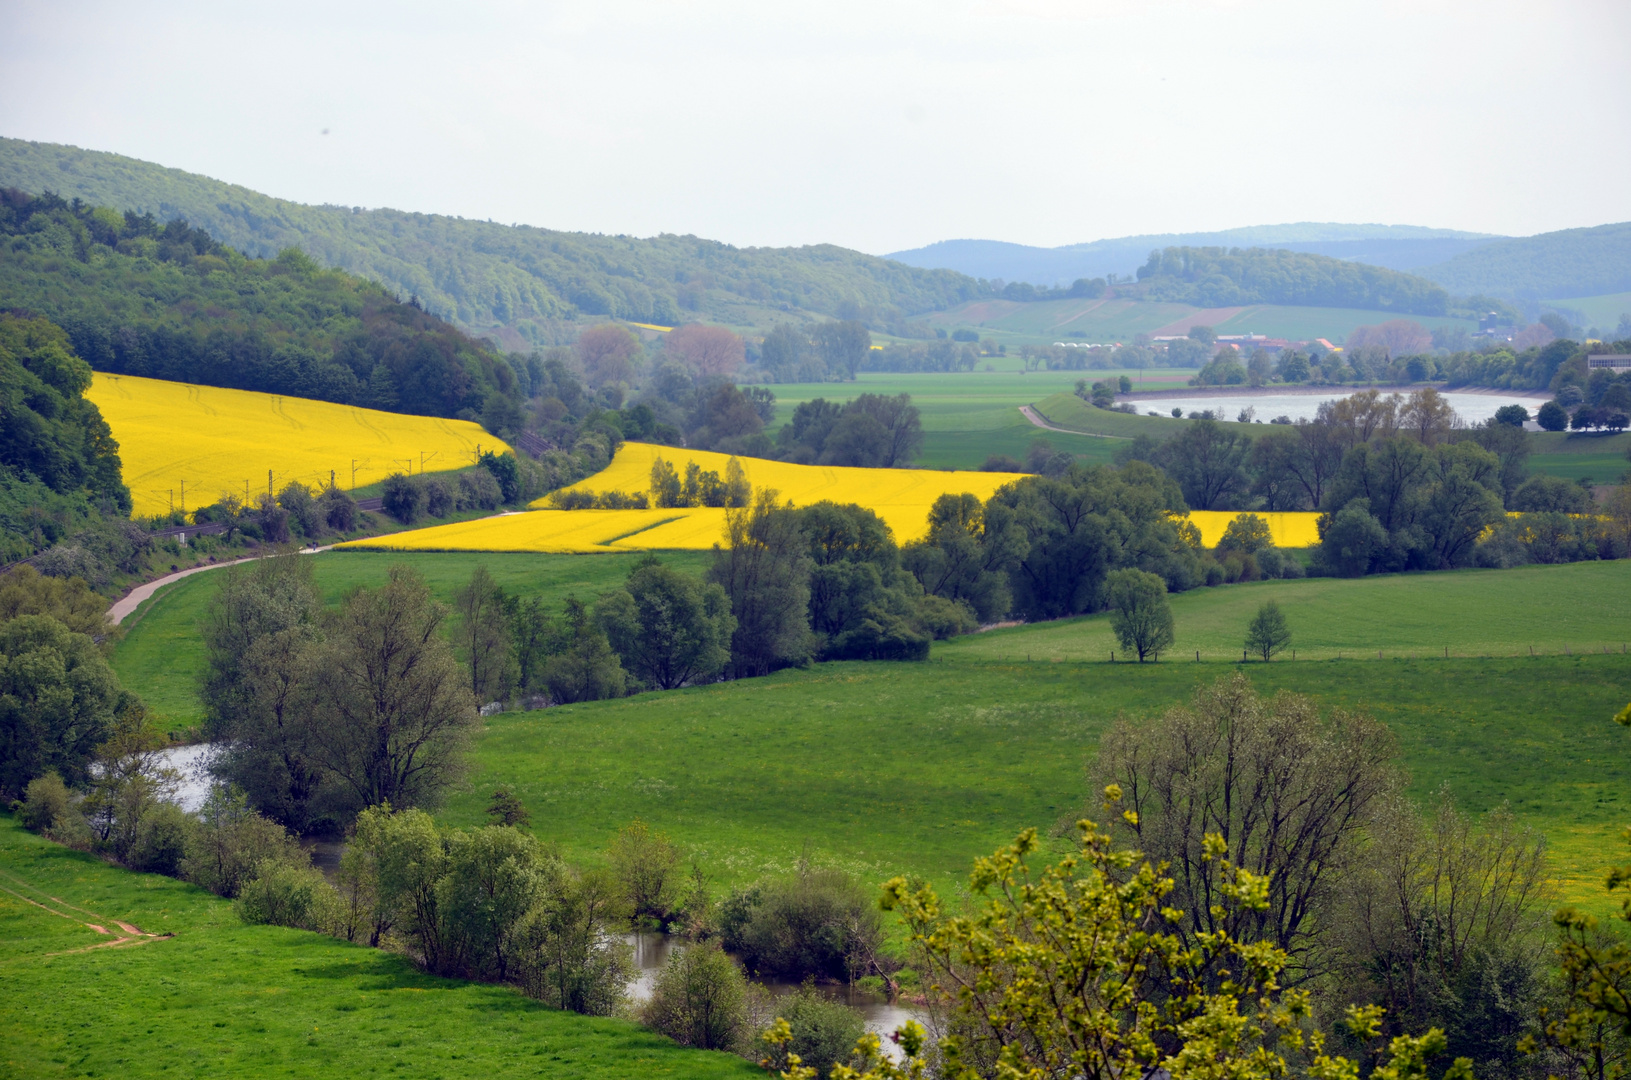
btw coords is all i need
(875, 125)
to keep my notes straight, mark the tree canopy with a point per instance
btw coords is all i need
(1221, 277)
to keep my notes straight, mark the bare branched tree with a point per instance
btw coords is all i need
(1291, 794)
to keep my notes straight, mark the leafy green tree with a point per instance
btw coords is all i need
(534, 637)
(699, 998)
(1552, 417)
(506, 808)
(1268, 633)
(765, 570)
(586, 669)
(1079, 970)
(402, 498)
(1351, 539)
(1512, 415)
(968, 554)
(392, 711)
(570, 954)
(232, 843)
(1207, 460)
(1139, 612)
(644, 863)
(70, 601)
(668, 628)
(491, 877)
(261, 631)
(48, 430)
(481, 633)
(1089, 521)
(824, 1032)
(58, 702)
(1550, 494)
(1247, 534)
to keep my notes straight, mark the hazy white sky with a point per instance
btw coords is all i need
(875, 125)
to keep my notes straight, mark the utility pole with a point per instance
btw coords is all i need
(183, 500)
(353, 476)
(268, 486)
(172, 504)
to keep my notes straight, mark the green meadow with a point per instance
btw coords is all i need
(890, 768)
(207, 996)
(161, 657)
(1575, 455)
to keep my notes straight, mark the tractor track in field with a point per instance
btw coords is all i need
(128, 934)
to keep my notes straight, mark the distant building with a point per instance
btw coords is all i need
(1610, 361)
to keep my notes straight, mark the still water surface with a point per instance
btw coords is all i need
(1471, 408)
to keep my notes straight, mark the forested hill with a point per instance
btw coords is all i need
(1551, 266)
(486, 276)
(169, 302)
(1225, 277)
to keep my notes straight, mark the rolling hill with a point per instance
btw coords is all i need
(1554, 265)
(1395, 247)
(515, 282)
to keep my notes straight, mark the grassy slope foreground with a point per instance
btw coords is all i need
(222, 999)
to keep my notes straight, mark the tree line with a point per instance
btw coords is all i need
(169, 302)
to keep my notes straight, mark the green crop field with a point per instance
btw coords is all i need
(1494, 613)
(892, 768)
(222, 999)
(160, 658)
(1600, 312)
(1574, 455)
(1119, 320)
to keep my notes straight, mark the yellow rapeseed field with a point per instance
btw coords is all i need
(1289, 529)
(901, 497)
(220, 441)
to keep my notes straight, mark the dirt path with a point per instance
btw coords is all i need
(1036, 418)
(128, 934)
(127, 604)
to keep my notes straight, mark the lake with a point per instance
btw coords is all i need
(1269, 404)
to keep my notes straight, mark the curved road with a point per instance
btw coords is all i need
(125, 605)
(1036, 418)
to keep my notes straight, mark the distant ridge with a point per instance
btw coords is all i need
(1554, 265)
(1394, 247)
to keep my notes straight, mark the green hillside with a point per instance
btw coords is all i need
(1603, 313)
(1571, 262)
(170, 302)
(487, 276)
(1228, 277)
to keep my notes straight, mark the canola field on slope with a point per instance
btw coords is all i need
(217, 440)
(902, 497)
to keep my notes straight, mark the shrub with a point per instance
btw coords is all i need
(478, 491)
(644, 862)
(699, 999)
(824, 1031)
(439, 499)
(402, 498)
(283, 894)
(339, 510)
(45, 802)
(161, 840)
(232, 843)
(814, 923)
(1247, 534)
(566, 954)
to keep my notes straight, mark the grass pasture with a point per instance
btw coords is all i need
(162, 658)
(891, 768)
(894, 767)
(1573, 455)
(222, 999)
